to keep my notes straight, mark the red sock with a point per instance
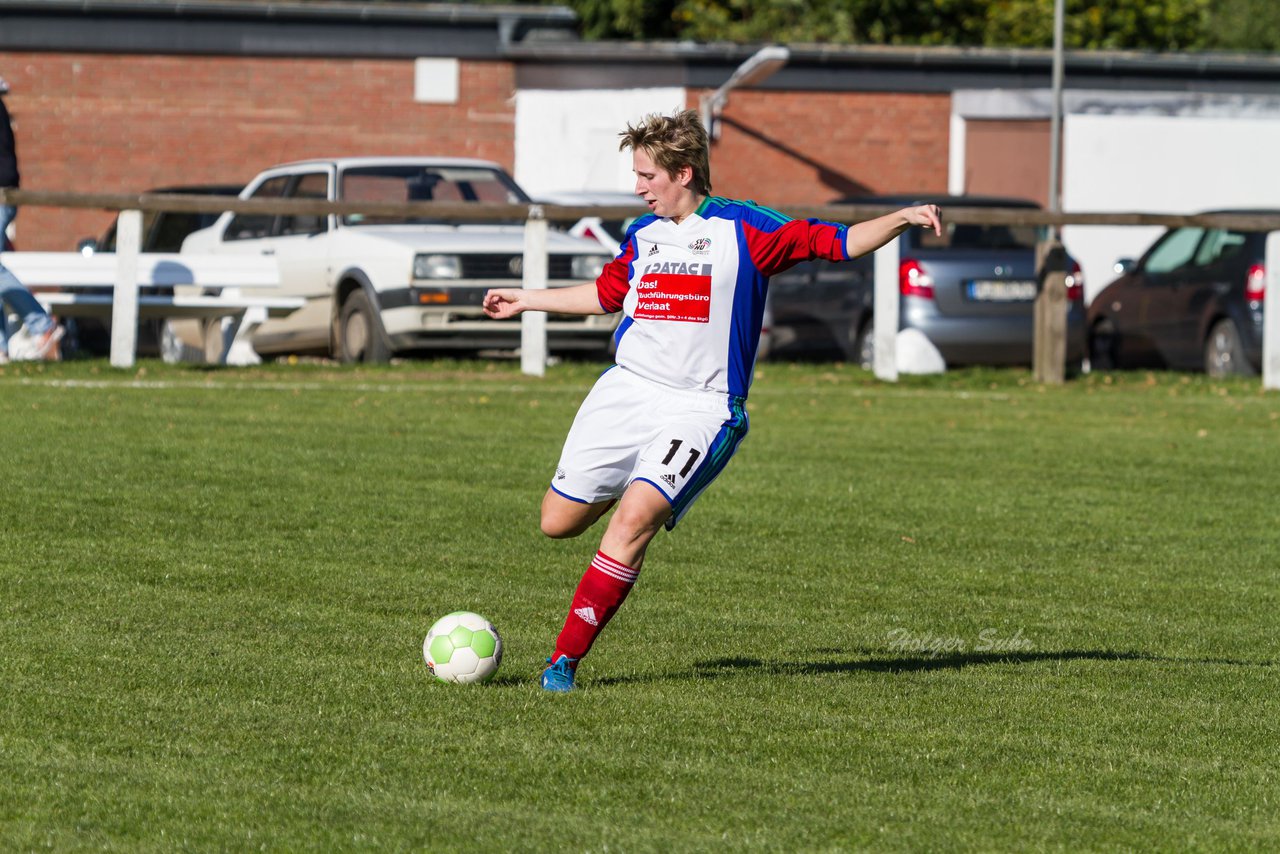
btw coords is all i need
(600, 593)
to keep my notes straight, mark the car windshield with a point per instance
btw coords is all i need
(163, 232)
(410, 183)
(968, 236)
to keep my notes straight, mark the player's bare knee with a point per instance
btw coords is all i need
(561, 529)
(559, 518)
(563, 519)
(633, 524)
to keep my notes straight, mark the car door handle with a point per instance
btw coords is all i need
(268, 251)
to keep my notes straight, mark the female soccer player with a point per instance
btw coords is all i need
(660, 426)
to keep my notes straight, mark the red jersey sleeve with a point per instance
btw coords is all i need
(615, 279)
(776, 246)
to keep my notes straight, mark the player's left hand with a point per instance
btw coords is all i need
(929, 216)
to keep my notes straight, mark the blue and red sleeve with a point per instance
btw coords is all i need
(775, 246)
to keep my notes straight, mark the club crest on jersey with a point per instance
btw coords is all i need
(701, 246)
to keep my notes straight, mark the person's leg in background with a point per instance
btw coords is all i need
(15, 297)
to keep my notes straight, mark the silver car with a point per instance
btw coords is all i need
(970, 292)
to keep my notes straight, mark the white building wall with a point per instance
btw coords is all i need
(568, 140)
(1155, 152)
(1160, 164)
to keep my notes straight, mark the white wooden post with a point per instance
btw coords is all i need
(1271, 316)
(124, 302)
(533, 324)
(884, 311)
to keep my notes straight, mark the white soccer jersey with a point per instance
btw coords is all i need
(693, 293)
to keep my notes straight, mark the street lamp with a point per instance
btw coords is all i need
(1055, 122)
(760, 65)
(1049, 348)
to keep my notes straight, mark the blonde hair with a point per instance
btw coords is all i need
(674, 142)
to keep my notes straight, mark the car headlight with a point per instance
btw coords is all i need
(437, 267)
(586, 266)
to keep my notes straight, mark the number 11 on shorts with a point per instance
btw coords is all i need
(694, 453)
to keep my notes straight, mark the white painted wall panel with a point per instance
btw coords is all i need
(568, 140)
(1161, 164)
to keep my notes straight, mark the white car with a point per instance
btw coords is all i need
(608, 232)
(377, 285)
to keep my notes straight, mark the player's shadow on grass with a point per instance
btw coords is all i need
(874, 662)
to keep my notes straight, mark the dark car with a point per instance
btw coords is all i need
(1192, 302)
(162, 231)
(818, 309)
(970, 292)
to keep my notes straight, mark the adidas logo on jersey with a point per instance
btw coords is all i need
(559, 473)
(587, 615)
(669, 480)
(653, 251)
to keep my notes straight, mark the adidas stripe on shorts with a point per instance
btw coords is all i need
(630, 429)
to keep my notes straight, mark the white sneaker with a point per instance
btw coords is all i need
(47, 344)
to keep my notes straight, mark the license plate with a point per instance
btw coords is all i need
(1001, 290)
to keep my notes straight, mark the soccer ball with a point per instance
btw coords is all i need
(463, 647)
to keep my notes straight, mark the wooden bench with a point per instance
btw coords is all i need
(234, 288)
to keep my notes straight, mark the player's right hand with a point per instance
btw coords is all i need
(502, 303)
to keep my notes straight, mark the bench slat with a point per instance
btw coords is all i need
(149, 305)
(230, 274)
(159, 269)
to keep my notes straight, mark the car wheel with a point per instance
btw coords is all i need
(182, 340)
(360, 335)
(864, 346)
(213, 341)
(1224, 353)
(1102, 347)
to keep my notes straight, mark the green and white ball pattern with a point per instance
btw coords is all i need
(463, 647)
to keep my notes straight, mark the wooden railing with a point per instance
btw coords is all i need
(1050, 348)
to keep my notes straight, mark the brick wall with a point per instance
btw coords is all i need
(814, 147)
(115, 123)
(105, 123)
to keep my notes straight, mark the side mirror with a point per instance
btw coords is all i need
(87, 246)
(1124, 266)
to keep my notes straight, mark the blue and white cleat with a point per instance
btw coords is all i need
(559, 676)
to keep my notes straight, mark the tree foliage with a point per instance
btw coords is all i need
(627, 19)
(1170, 25)
(1162, 25)
(1246, 25)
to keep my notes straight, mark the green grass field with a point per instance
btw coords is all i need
(966, 612)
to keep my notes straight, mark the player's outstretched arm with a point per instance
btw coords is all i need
(869, 236)
(502, 303)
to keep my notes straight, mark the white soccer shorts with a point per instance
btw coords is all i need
(630, 429)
